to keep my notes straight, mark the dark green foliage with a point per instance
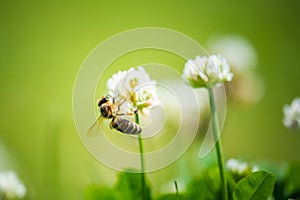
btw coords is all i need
(94, 192)
(258, 185)
(293, 177)
(207, 186)
(129, 186)
(278, 192)
(172, 197)
(288, 187)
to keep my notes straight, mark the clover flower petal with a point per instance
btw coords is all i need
(292, 115)
(136, 85)
(207, 71)
(112, 83)
(10, 185)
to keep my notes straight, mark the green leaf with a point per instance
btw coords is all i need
(258, 185)
(94, 192)
(129, 186)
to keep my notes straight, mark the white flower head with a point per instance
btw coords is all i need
(10, 185)
(236, 166)
(136, 85)
(292, 115)
(240, 167)
(207, 71)
(255, 168)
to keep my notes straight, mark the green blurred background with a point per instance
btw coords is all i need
(42, 46)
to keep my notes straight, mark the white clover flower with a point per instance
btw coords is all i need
(207, 71)
(240, 167)
(292, 115)
(255, 168)
(239, 52)
(248, 86)
(236, 166)
(136, 85)
(10, 185)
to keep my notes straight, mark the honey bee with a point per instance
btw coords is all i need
(109, 109)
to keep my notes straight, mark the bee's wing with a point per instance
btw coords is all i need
(94, 130)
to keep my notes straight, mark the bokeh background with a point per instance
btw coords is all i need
(42, 46)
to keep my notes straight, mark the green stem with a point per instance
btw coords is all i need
(137, 120)
(176, 189)
(215, 126)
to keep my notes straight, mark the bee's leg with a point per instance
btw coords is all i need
(111, 123)
(130, 113)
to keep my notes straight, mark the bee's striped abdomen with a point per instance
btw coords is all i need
(125, 126)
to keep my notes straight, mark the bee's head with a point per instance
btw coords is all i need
(104, 100)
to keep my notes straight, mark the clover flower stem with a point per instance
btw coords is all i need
(137, 120)
(215, 126)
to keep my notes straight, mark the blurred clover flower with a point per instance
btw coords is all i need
(239, 167)
(135, 85)
(239, 52)
(207, 71)
(248, 86)
(10, 185)
(292, 115)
